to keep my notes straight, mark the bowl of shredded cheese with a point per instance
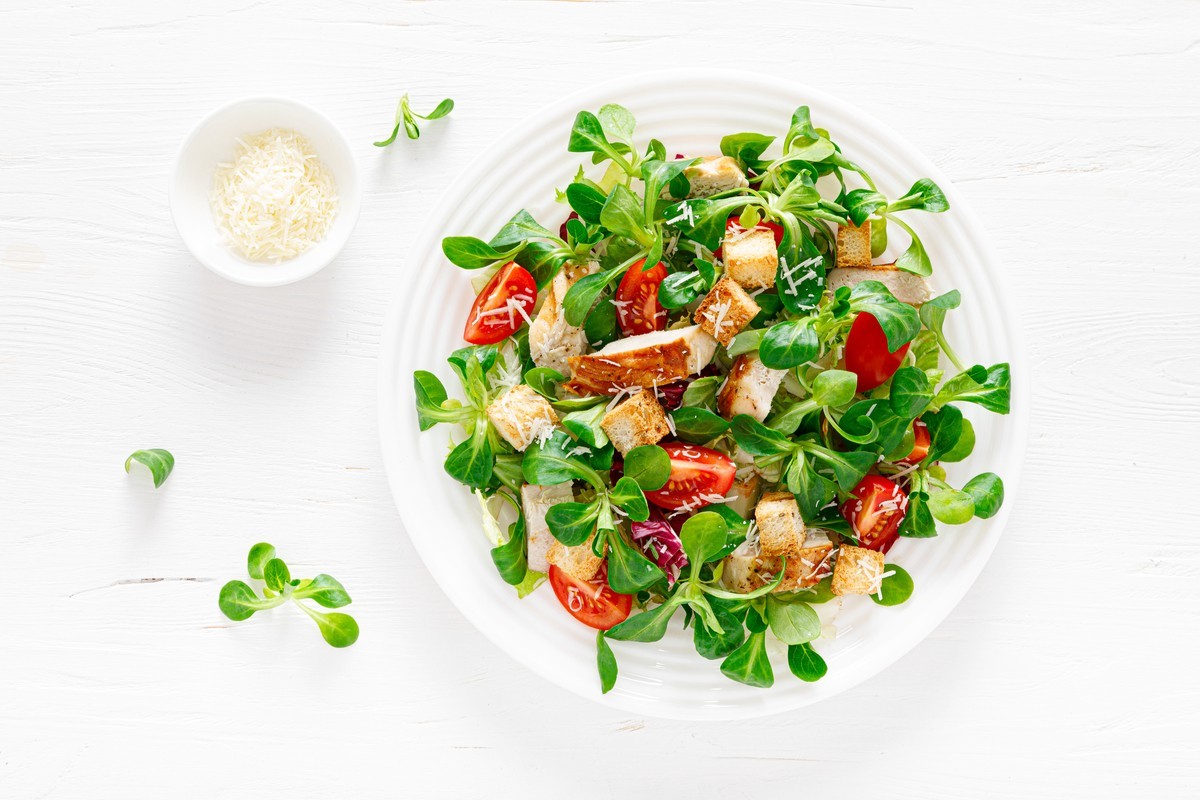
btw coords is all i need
(265, 191)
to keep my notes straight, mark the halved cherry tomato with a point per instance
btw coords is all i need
(867, 354)
(733, 225)
(698, 476)
(593, 602)
(503, 305)
(638, 309)
(920, 443)
(875, 512)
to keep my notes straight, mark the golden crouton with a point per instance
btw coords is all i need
(751, 258)
(637, 421)
(725, 310)
(857, 571)
(714, 174)
(522, 416)
(780, 527)
(854, 245)
(579, 561)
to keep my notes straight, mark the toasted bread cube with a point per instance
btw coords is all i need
(750, 388)
(637, 421)
(647, 360)
(780, 527)
(551, 340)
(536, 501)
(714, 174)
(906, 287)
(744, 494)
(579, 561)
(854, 245)
(725, 310)
(522, 416)
(857, 571)
(751, 258)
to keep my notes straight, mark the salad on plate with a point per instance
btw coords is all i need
(702, 395)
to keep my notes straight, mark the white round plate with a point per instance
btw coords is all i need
(212, 141)
(689, 111)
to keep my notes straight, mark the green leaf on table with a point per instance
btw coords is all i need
(276, 575)
(160, 463)
(325, 591)
(256, 561)
(337, 629)
(239, 602)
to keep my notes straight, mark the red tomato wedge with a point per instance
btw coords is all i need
(920, 443)
(593, 602)
(867, 354)
(732, 225)
(638, 309)
(503, 306)
(699, 476)
(875, 512)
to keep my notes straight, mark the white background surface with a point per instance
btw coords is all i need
(1069, 670)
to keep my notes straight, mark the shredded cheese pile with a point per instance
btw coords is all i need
(276, 199)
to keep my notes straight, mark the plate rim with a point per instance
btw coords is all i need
(895, 143)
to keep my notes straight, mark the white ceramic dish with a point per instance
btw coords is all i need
(689, 111)
(212, 142)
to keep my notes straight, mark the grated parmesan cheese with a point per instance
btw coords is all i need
(276, 200)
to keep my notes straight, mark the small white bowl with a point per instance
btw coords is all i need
(212, 142)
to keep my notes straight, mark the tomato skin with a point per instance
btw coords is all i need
(638, 309)
(867, 354)
(593, 602)
(695, 471)
(732, 222)
(920, 444)
(876, 528)
(512, 281)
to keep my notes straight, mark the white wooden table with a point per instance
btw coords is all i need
(1068, 671)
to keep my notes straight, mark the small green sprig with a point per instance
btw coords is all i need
(407, 118)
(160, 463)
(239, 601)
